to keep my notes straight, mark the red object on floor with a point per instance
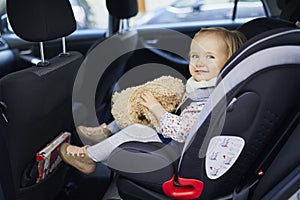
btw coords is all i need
(188, 188)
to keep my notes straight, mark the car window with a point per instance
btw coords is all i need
(177, 11)
(92, 14)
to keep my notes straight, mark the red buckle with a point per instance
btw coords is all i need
(188, 189)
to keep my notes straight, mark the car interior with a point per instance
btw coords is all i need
(48, 85)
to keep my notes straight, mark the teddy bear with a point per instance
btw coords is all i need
(126, 107)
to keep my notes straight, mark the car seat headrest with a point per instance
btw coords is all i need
(264, 40)
(260, 25)
(290, 10)
(122, 9)
(41, 20)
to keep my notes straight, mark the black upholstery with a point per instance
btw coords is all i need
(113, 73)
(122, 9)
(281, 3)
(255, 44)
(37, 100)
(164, 157)
(98, 76)
(290, 13)
(122, 43)
(39, 107)
(290, 10)
(260, 25)
(252, 81)
(45, 20)
(282, 179)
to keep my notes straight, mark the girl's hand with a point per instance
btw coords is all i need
(148, 100)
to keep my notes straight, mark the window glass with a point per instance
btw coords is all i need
(175, 11)
(90, 14)
(250, 9)
(93, 13)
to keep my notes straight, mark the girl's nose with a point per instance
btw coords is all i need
(199, 63)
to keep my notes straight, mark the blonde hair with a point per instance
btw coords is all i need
(233, 38)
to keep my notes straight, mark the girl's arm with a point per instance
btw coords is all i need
(172, 126)
(178, 127)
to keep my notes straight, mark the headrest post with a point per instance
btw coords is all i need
(64, 47)
(124, 25)
(42, 52)
(110, 27)
(126, 21)
(121, 25)
(43, 61)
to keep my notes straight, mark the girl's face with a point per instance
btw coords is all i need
(207, 56)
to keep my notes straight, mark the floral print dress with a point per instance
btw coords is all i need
(177, 127)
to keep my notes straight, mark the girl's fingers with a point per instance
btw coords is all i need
(148, 99)
(143, 103)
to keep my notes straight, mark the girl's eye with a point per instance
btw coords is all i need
(194, 56)
(210, 57)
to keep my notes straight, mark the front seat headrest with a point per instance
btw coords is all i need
(290, 10)
(122, 9)
(41, 20)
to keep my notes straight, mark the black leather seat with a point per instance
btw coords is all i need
(104, 65)
(245, 104)
(290, 14)
(36, 103)
(282, 178)
(260, 25)
(289, 10)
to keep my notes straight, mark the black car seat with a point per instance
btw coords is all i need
(36, 103)
(104, 75)
(290, 14)
(282, 178)
(254, 102)
(289, 10)
(263, 24)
